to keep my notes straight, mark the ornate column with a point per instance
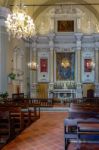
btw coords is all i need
(78, 64)
(3, 50)
(51, 45)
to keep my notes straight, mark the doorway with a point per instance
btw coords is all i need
(42, 89)
(88, 90)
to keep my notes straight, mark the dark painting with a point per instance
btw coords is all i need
(65, 25)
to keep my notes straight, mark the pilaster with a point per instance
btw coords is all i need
(78, 64)
(3, 50)
(97, 65)
(51, 45)
(78, 56)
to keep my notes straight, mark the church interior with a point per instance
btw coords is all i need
(49, 66)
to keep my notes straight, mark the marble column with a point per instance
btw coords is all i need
(51, 45)
(78, 64)
(78, 56)
(33, 75)
(51, 68)
(96, 65)
(3, 50)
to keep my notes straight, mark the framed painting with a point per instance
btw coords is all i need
(43, 65)
(88, 65)
(65, 66)
(65, 25)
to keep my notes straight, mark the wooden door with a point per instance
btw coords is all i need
(42, 90)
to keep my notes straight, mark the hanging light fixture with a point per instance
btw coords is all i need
(19, 24)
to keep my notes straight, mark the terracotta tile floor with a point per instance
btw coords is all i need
(45, 134)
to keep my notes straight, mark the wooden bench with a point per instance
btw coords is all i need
(74, 130)
(83, 111)
(88, 131)
(70, 131)
(29, 111)
(44, 102)
(6, 126)
(83, 114)
(16, 115)
(20, 115)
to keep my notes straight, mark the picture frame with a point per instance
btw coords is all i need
(65, 26)
(65, 20)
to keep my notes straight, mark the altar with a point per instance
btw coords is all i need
(63, 94)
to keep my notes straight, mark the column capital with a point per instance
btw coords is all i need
(51, 36)
(78, 40)
(51, 40)
(34, 42)
(78, 36)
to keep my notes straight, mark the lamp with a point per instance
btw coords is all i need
(32, 65)
(19, 24)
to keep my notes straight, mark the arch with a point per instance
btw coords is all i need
(7, 3)
(40, 9)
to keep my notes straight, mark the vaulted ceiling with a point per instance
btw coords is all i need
(35, 7)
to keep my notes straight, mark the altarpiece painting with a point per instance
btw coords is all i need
(65, 66)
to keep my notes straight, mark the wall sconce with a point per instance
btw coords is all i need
(32, 65)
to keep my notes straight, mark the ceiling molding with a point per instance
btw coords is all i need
(44, 6)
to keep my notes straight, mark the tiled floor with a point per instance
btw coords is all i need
(45, 134)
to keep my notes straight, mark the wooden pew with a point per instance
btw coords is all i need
(21, 113)
(16, 116)
(30, 110)
(80, 129)
(83, 111)
(70, 124)
(6, 127)
(88, 130)
(43, 102)
(34, 109)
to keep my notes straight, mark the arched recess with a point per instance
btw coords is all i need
(40, 9)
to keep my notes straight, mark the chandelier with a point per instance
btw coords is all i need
(19, 24)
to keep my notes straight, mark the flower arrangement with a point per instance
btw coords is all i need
(12, 76)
